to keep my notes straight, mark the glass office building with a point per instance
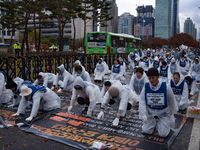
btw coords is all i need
(125, 24)
(189, 28)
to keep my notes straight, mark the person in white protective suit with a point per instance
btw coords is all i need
(173, 67)
(148, 53)
(152, 59)
(85, 93)
(195, 70)
(107, 71)
(180, 89)
(192, 84)
(124, 96)
(5, 94)
(169, 58)
(183, 65)
(138, 81)
(64, 79)
(131, 57)
(164, 72)
(15, 86)
(117, 71)
(137, 63)
(123, 65)
(42, 98)
(83, 74)
(76, 63)
(99, 71)
(45, 79)
(157, 105)
(146, 63)
(155, 64)
(140, 53)
(107, 85)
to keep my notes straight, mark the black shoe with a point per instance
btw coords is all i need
(84, 110)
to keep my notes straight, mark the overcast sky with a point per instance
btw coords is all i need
(187, 8)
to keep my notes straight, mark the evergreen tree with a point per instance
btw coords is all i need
(11, 17)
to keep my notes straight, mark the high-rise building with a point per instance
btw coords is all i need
(144, 22)
(189, 28)
(175, 19)
(112, 24)
(125, 24)
(163, 18)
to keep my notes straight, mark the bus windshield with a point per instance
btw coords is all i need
(97, 40)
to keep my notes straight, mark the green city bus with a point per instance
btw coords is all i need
(107, 42)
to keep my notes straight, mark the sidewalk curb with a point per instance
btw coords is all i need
(195, 136)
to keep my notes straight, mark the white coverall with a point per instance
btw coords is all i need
(195, 71)
(193, 87)
(137, 84)
(74, 73)
(89, 90)
(66, 78)
(85, 76)
(117, 76)
(162, 72)
(126, 95)
(181, 99)
(47, 101)
(113, 82)
(107, 71)
(5, 94)
(172, 69)
(131, 57)
(166, 119)
(183, 66)
(99, 71)
(48, 79)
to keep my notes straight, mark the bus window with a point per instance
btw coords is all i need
(97, 40)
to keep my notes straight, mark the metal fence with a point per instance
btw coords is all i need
(28, 67)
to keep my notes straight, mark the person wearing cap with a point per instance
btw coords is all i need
(173, 67)
(117, 71)
(156, 63)
(64, 79)
(77, 63)
(45, 79)
(85, 93)
(195, 70)
(180, 89)
(164, 72)
(157, 105)
(107, 85)
(15, 86)
(5, 94)
(192, 84)
(99, 71)
(122, 95)
(183, 65)
(83, 74)
(146, 63)
(41, 96)
(138, 81)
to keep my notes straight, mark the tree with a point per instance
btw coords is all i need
(59, 10)
(11, 17)
(104, 13)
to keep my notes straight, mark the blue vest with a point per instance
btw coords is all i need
(173, 68)
(182, 63)
(156, 99)
(148, 54)
(140, 53)
(163, 72)
(133, 57)
(36, 88)
(99, 67)
(151, 60)
(156, 65)
(116, 69)
(146, 63)
(177, 90)
(169, 60)
(26, 82)
(3, 74)
(138, 85)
